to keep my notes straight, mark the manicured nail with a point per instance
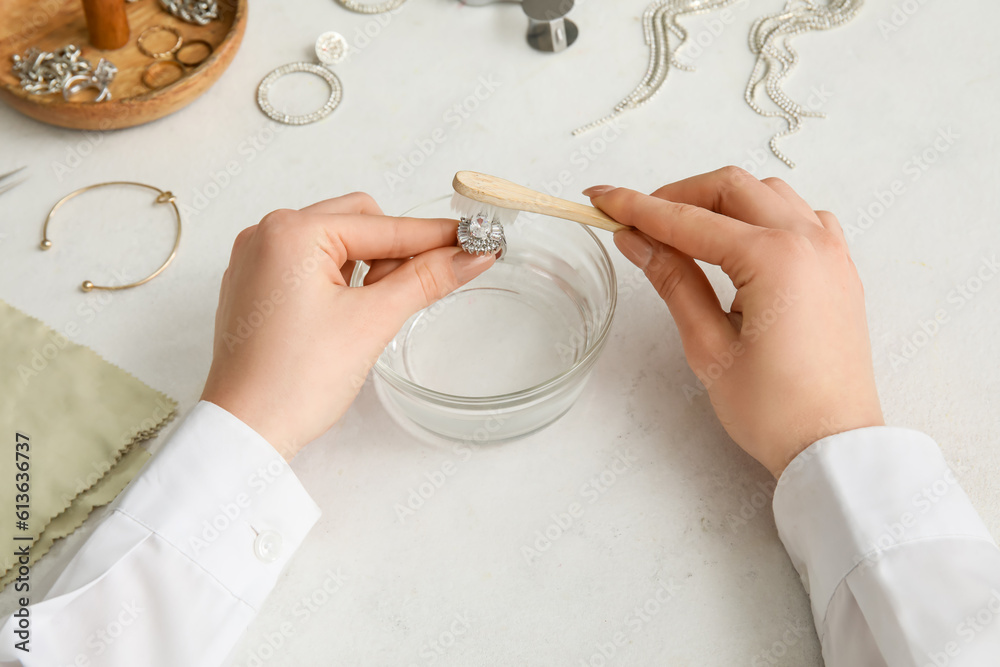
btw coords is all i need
(635, 246)
(467, 266)
(598, 190)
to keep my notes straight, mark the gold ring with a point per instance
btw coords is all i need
(195, 63)
(162, 63)
(162, 197)
(159, 54)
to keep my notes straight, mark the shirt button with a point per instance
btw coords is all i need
(267, 546)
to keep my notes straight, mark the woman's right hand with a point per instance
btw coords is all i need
(293, 341)
(791, 362)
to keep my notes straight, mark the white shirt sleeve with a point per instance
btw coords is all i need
(900, 569)
(176, 571)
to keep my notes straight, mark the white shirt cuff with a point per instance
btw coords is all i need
(224, 497)
(851, 497)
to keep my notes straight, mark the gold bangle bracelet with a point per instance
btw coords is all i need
(162, 197)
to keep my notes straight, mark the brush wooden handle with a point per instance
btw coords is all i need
(504, 194)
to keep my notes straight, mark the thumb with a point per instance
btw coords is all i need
(422, 280)
(703, 325)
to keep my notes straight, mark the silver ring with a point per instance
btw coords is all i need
(71, 88)
(481, 236)
(264, 89)
(85, 81)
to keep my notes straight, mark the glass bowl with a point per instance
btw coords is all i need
(508, 353)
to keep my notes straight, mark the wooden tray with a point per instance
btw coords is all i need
(52, 24)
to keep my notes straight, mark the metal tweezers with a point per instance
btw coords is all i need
(5, 187)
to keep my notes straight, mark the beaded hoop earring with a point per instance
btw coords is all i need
(331, 48)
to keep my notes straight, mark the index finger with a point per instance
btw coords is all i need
(353, 202)
(695, 231)
(736, 193)
(365, 237)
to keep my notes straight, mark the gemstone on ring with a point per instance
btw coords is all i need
(480, 227)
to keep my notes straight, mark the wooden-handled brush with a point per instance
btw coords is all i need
(504, 199)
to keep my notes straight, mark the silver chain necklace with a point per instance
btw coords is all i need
(770, 39)
(659, 21)
(364, 8)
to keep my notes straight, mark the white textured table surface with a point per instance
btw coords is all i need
(449, 585)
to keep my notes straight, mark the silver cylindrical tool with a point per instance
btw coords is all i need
(548, 28)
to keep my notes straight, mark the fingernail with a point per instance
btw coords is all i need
(467, 266)
(598, 190)
(635, 246)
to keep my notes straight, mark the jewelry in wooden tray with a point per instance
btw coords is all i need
(64, 70)
(143, 38)
(139, 91)
(179, 54)
(199, 12)
(168, 58)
